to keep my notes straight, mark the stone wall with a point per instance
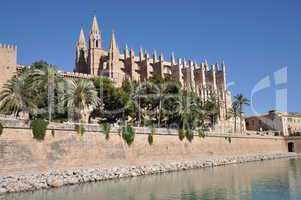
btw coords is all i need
(8, 62)
(19, 152)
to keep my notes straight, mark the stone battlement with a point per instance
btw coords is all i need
(7, 46)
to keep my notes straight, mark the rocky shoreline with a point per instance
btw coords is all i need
(54, 179)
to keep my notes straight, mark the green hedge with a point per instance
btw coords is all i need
(39, 127)
(1, 129)
(181, 134)
(106, 128)
(52, 132)
(189, 135)
(128, 134)
(150, 137)
(80, 128)
(201, 133)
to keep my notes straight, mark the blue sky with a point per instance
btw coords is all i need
(255, 38)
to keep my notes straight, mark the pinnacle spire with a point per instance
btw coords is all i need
(217, 66)
(81, 39)
(141, 51)
(141, 56)
(95, 35)
(155, 55)
(223, 66)
(95, 27)
(126, 51)
(184, 62)
(113, 46)
(206, 65)
(172, 58)
(161, 56)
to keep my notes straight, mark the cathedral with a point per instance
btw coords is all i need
(93, 60)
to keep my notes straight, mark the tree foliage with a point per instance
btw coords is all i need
(128, 134)
(15, 97)
(80, 128)
(240, 101)
(39, 127)
(1, 129)
(150, 137)
(106, 128)
(234, 113)
(40, 91)
(181, 134)
(82, 98)
(34, 91)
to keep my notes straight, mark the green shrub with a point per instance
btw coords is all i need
(189, 135)
(80, 128)
(106, 128)
(229, 139)
(39, 127)
(128, 134)
(150, 137)
(1, 129)
(201, 133)
(52, 132)
(181, 134)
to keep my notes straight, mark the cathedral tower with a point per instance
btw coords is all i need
(81, 62)
(95, 48)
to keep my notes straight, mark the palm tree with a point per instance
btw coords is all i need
(82, 97)
(15, 97)
(46, 78)
(191, 113)
(158, 89)
(233, 112)
(212, 109)
(240, 101)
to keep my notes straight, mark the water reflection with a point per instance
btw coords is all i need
(279, 179)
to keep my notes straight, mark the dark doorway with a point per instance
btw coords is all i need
(291, 147)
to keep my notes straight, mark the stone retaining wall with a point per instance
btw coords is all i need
(54, 179)
(21, 155)
(19, 152)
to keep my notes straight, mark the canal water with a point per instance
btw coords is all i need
(268, 180)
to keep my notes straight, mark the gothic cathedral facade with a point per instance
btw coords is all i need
(92, 59)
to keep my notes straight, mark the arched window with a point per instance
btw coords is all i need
(96, 43)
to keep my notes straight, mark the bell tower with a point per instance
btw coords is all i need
(81, 62)
(95, 48)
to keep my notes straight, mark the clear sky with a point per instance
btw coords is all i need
(254, 38)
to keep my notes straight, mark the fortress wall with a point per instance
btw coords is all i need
(19, 152)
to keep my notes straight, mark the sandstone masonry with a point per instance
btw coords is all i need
(8, 62)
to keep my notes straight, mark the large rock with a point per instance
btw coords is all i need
(55, 181)
(2, 190)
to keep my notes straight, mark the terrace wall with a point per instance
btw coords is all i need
(19, 152)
